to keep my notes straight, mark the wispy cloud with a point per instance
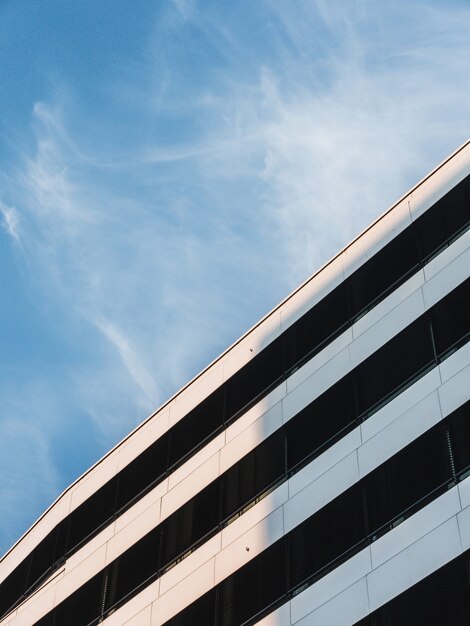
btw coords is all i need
(10, 222)
(235, 155)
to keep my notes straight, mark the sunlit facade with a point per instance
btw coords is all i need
(316, 473)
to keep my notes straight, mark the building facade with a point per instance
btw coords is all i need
(316, 473)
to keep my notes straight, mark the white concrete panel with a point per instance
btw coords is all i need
(455, 363)
(143, 437)
(95, 479)
(416, 526)
(255, 412)
(252, 344)
(386, 328)
(135, 530)
(187, 488)
(376, 237)
(30, 612)
(325, 461)
(399, 433)
(279, 617)
(330, 586)
(134, 606)
(190, 397)
(464, 492)
(455, 391)
(388, 304)
(321, 491)
(319, 373)
(90, 547)
(196, 460)
(447, 279)
(464, 528)
(439, 183)
(150, 499)
(190, 564)
(400, 404)
(80, 574)
(445, 257)
(346, 608)
(301, 392)
(314, 290)
(416, 562)
(183, 594)
(32, 538)
(249, 545)
(142, 618)
(252, 436)
(255, 514)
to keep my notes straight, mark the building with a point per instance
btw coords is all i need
(318, 472)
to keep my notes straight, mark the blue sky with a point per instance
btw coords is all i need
(169, 171)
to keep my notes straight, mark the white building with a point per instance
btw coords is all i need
(314, 474)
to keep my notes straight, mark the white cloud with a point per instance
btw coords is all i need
(10, 221)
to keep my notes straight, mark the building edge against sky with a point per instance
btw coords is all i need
(274, 513)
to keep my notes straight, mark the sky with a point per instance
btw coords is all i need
(169, 171)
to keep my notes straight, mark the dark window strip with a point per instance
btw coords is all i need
(440, 599)
(368, 285)
(403, 484)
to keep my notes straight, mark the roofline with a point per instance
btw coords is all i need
(239, 340)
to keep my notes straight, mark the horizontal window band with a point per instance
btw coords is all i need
(328, 538)
(442, 453)
(440, 599)
(305, 338)
(398, 488)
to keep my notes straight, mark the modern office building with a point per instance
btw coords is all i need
(316, 473)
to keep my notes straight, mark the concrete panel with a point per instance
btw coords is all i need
(141, 619)
(416, 562)
(279, 617)
(190, 564)
(299, 395)
(376, 237)
(340, 450)
(143, 437)
(183, 594)
(399, 433)
(80, 574)
(391, 302)
(463, 519)
(196, 460)
(400, 404)
(455, 363)
(251, 437)
(150, 499)
(210, 380)
(440, 182)
(255, 514)
(464, 492)
(252, 344)
(314, 290)
(330, 586)
(346, 608)
(95, 479)
(447, 256)
(30, 612)
(135, 530)
(320, 372)
(415, 527)
(249, 545)
(455, 391)
(321, 491)
(187, 488)
(256, 411)
(386, 328)
(446, 280)
(136, 605)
